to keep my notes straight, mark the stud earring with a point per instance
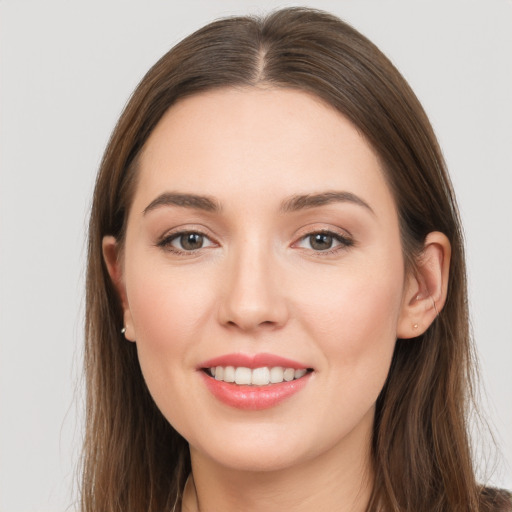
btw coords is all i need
(123, 330)
(415, 326)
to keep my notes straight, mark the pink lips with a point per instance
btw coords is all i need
(252, 397)
(252, 361)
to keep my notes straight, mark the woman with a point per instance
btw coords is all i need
(276, 294)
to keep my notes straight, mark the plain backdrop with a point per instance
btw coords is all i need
(67, 69)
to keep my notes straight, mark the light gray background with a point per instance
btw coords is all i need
(68, 67)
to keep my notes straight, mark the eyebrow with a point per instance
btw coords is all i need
(193, 201)
(292, 204)
(301, 202)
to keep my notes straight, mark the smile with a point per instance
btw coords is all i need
(254, 382)
(256, 376)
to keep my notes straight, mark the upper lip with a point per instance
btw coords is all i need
(252, 361)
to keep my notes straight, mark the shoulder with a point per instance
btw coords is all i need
(495, 500)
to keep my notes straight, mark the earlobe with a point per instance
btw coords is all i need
(111, 257)
(426, 290)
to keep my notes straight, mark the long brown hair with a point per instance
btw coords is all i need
(133, 459)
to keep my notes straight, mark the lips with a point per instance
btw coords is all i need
(252, 361)
(253, 382)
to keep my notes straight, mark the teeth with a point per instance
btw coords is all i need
(229, 374)
(276, 375)
(242, 375)
(289, 374)
(260, 376)
(256, 377)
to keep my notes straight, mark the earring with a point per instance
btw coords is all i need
(415, 326)
(123, 330)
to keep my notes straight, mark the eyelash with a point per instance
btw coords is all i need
(166, 242)
(343, 241)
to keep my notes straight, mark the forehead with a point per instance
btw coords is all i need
(255, 144)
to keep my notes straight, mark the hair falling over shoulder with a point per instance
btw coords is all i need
(133, 460)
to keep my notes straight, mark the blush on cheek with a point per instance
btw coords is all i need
(162, 307)
(358, 312)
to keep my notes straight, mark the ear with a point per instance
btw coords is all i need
(114, 267)
(426, 288)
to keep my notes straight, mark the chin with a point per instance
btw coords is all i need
(266, 448)
(255, 459)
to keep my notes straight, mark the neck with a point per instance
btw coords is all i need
(340, 480)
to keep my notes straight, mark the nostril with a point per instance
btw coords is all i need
(247, 324)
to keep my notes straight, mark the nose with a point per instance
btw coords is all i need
(253, 296)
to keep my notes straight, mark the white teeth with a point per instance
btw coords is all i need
(243, 375)
(257, 376)
(276, 375)
(298, 373)
(260, 376)
(229, 374)
(288, 374)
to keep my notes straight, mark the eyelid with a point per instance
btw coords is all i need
(344, 239)
(164, 241)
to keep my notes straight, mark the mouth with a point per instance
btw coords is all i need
(254, 382)
(262, 376)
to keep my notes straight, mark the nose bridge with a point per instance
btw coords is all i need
(253, 297)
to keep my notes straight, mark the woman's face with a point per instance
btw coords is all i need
(263, 235)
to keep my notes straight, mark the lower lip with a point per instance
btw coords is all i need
(253, 398)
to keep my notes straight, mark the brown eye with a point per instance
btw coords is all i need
(324, 241)
(320, 241)
(186, 241)
(191, 241)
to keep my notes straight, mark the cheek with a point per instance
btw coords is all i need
(167, 310)
(166, 306)
(354, 326)
(362, 297)
(353, 317)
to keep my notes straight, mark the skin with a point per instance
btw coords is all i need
(258, 285)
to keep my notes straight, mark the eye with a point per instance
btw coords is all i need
(323, 241)
(186, 241)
